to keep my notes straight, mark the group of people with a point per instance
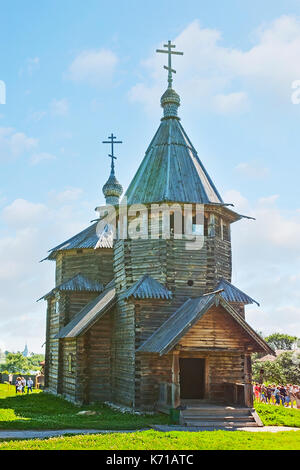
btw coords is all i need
(21, 384)
(286, 395)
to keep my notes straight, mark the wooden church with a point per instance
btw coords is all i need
(150, 322)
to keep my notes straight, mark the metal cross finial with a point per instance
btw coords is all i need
(169, 68)
(112, 141)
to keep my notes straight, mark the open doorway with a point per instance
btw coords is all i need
(192, 378)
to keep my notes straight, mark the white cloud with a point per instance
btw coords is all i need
(59, 107)
(32, 64)
(231, 103)
(266, 262)
(30, 230)
(14, 144)
(208, 73)
(68, 195)
(39, 157)
(23, 213)
(37, 116)
(252, 170)
(93, 66)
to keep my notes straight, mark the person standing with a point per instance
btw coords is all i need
(277, 395)
(283, 394)
(19, 386)
(269, 392)
(17, 383)
(29, 385)
(263, 393)
(23, 381)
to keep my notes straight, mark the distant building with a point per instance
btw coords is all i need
(25, 352)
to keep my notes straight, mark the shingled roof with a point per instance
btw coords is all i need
(87, 238)
(147, 288)
(171, 170)
(77, 283)
(176, 326)
(91, 313)
(233, 294)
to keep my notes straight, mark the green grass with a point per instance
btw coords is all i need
(272, 415)
(153, 440)
(44, 411)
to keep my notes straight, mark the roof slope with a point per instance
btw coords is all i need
(87, 238)
(147, 288)
(233, 294)
(90, 313)
(176, 326)
(77, 283)
(171, 170)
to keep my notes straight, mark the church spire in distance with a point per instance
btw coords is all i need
(112, 189)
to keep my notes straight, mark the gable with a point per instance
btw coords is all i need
(170, 333)
(218, 330)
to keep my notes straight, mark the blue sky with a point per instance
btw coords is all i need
(76, 72)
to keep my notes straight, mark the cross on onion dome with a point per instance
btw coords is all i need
(111, 140)
(169, 67)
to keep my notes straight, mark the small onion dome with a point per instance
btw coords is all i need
(112, 190)
(170, 102)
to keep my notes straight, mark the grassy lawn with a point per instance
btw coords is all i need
(153, 440)
(44, 411)
(272, 415)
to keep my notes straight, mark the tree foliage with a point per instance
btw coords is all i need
(285, 369)
(16, 363)
(281, 341)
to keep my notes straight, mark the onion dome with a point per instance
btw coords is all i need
(112, 189)
(170, 102)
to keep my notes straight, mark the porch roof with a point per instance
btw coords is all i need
(75, 284)
(178, 324)
(89, 314)
(148, 288)
(232, 294)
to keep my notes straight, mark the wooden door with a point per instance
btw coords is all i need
(192, 378)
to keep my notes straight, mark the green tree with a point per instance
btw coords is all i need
(281, 341)
(15, 363)
(290, 363)
(285, 369)
(34, 361)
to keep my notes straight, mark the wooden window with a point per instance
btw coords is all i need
(211, 225)
(226, 232)
(70, 363)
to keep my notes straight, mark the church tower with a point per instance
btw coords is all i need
(157, 272)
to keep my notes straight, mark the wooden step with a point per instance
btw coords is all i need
(212, 412)
(218, 418)
(219, 424)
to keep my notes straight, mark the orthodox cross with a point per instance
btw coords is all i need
(169, 68)
(111, 140)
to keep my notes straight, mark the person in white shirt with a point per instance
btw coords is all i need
(29, 385)
(23, 381)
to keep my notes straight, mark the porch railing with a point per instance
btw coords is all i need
(238, 393)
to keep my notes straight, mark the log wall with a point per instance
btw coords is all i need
(95, 264)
